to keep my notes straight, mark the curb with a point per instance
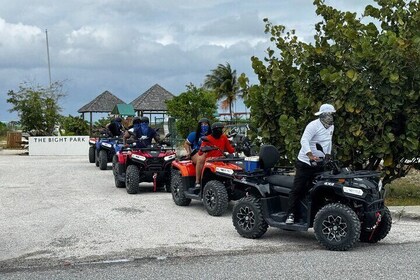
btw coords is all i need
(405, 212)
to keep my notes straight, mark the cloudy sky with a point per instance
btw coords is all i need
(127, 46)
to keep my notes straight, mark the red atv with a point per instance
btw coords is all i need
(220, 182)
(133, 165)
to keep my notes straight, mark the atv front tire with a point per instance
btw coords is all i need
(337, 227)
(178, 189)
(92, 154)
(215, 198)
(103, 159)
(96, 158)
(132, 179)
(247, 217)
(381, 231)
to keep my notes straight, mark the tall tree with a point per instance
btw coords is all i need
(223, 82)
(191, 105)
(367, 69)
(38, 107)
(74, 125)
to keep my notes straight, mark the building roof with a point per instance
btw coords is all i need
(124, 110)
(153, 99)
(104, 102)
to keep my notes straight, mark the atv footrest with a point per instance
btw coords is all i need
(296, 227)
(283, 225)
(279, 216)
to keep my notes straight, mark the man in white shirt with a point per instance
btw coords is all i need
(317, 131)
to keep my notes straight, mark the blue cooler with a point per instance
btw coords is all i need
(252, 163)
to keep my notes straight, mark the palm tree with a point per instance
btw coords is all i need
(223, 82)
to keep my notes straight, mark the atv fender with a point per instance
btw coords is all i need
(185, 167)
(262, 189)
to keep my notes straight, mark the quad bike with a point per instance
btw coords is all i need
(105, 149)
(220, 181)
(133, 165)
(342, 206)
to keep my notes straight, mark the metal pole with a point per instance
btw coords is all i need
(48, 56)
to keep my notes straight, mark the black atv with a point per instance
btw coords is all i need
(343, 206)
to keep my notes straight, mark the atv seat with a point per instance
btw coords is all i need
(281, 183)
(269, 156)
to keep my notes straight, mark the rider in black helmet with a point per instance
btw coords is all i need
(142, 132)
(193, 141)
(216, 139)
(115, 127)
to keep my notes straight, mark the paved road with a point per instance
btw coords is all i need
(381, 261)
(60, 211)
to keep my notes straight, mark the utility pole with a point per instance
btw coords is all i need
(48, 56)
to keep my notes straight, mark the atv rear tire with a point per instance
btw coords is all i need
(381, 230)
(337, 227)
(215, 198)
(132, 179)
(103, 159)
(92, 154)
(247, 217)
(114, 163)
(117, 169)
(178, 189)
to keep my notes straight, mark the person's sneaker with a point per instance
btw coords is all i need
(197, 186)
(290, 219)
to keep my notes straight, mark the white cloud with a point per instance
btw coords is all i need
(126, 46)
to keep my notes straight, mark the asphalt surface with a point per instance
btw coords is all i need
(59, 211)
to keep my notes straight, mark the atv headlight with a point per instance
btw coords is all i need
(106, 145)
(353, 191)
(224, 170)
(139, 157)
(169, 157)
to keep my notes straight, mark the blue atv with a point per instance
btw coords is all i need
(106, 148)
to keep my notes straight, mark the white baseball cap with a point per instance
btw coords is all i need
(325, 108)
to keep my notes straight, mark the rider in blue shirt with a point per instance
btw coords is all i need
(193, 142)
(142, 132)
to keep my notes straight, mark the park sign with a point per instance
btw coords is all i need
(58, 145)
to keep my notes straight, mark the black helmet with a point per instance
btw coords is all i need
(136, 120)
(204, 120)
(217, 125)
(144, 120)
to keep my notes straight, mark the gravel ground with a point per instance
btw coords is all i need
(57, 210)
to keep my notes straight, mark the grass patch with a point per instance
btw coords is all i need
(404, 191)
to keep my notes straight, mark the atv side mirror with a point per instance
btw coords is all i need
(167, 135)
(319, 147)
(233, 133)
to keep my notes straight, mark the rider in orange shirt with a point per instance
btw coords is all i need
(217, 139)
